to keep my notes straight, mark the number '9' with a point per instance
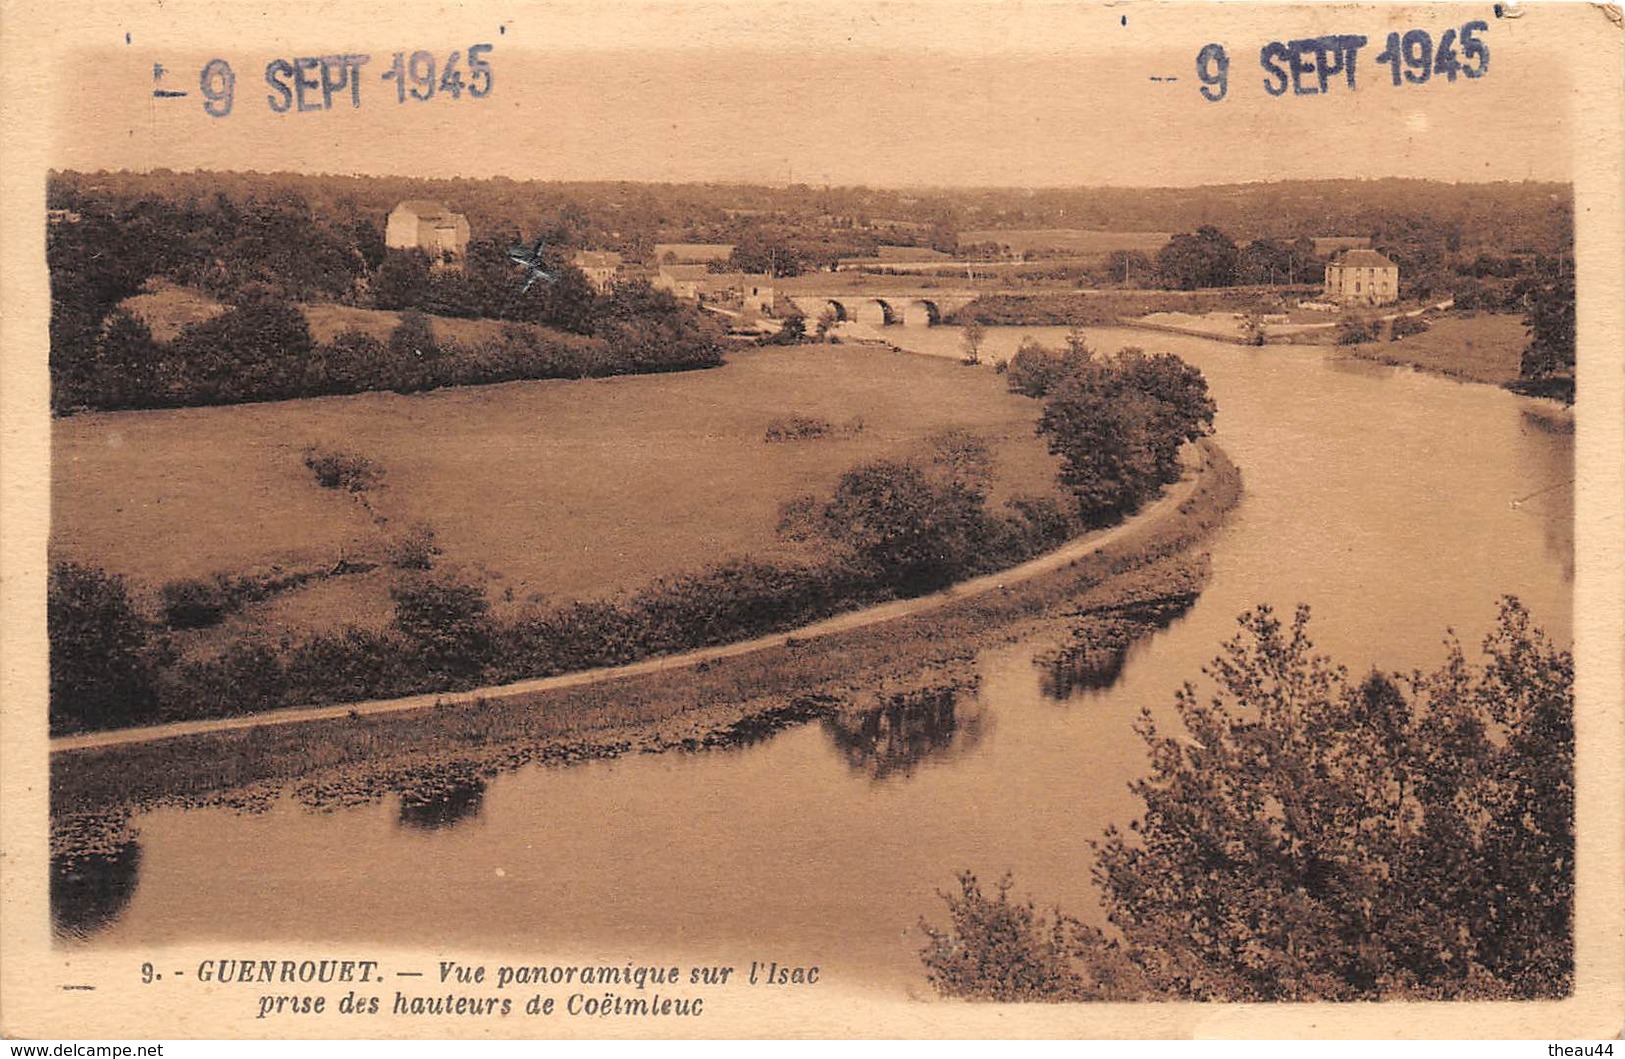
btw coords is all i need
(1213, 69)
(218, 84)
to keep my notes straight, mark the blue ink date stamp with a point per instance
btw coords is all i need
(1316, 66)
(307, 83)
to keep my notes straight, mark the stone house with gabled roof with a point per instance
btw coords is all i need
(1362, 277)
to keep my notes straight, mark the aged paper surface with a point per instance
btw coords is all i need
(391, 802)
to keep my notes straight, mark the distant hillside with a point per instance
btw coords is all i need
(1507, 217)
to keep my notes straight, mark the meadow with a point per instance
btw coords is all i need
(546, 490)
(1480, 347)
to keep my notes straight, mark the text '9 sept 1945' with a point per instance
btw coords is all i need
(1314, 66)
(310, 83)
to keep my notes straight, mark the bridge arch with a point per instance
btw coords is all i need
(876, 312)
(921, 312)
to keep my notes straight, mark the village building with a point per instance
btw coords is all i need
(745, 291)
(601, 267)
(683, 282)
(1362, 277)
(419, 224)
(691, 253)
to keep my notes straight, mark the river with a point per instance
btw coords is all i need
(1396, 504)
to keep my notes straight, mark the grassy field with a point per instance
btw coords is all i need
(1085, 241)
(555, 489)
(359, 758)
(1485, 347)
(166, 308)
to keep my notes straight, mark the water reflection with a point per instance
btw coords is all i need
(892, 738)
(91, 886)
(1089, 666)
(1101, 643)
(1552, 504)
(443, 800)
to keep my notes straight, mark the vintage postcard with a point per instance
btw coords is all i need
(784, 519)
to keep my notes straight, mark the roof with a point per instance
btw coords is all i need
(687, 252)
(425, 209)
(688, 272)
(597, 259)
(1364, 259)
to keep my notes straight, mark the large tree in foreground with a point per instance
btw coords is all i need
(1311, 836)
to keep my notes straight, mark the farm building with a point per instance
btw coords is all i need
(601, 268)
(684, 282)
(419, 224)
(1362, 277)
(750, 291)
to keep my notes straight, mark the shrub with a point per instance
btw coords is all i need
(446, 622)
(1404, 326)
(797, 428)
(1353, 329)
(194, 603)
(415, 549)
(341, 469)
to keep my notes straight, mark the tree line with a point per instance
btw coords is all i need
(263, 259)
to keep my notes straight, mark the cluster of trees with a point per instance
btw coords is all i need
(1308, 835)
(261, 349)
(264, 256)
(1117, 422)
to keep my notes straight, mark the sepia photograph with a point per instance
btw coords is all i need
(783, 520)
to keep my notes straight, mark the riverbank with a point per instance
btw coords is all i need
(707, 699)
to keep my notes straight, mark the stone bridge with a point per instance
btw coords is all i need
(920, 307)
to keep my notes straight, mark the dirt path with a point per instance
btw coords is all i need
(1049, 562)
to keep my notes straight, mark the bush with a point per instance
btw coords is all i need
(415, 549)
(341, 469)
(797, 428)
(193, 603)
(1352, 330)
(446, 622)
(1404, 326)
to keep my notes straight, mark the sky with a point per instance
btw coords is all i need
(1011, 94)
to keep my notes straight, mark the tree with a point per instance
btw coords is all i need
(1128, 267)
(1551, 323)
(101, 676)
(128, 363)
(1312, 836)
(971, 337)
(258, 350)
(912, 530)
(402, 280)
(413, 338)
(1205, 258)
(1118, 425)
